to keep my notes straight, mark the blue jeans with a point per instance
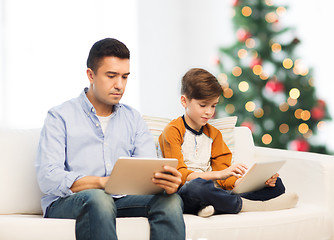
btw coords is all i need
(199, 193)
(95, 212)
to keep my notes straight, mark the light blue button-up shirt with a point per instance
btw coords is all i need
(72, 145)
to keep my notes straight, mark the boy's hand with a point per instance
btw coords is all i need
(236, 170)
(169, 181)
(271, 182)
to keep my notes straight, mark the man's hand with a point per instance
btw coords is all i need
(169, 181)
(271, 182)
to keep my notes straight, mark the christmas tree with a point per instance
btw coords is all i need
(270, 90)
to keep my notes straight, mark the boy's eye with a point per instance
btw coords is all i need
(201, 105)
(111, 76)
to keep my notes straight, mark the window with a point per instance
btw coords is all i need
(44, 48)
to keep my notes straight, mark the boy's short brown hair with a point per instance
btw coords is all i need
(199, 84)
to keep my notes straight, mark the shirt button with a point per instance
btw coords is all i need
(97, 125)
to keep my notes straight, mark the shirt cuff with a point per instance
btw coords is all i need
(70, 178)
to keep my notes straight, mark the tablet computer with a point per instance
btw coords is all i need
(256, 177)
(133, 176)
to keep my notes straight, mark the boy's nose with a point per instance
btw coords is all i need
(209, 111)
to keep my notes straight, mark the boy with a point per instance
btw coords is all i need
(205, 160)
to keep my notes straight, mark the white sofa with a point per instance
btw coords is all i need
(310, 175)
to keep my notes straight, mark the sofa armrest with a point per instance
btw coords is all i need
(311, 175)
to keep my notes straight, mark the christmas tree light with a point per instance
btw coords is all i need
(267, 139)
(243, 86)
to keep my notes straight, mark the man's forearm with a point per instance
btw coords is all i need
(89, 182)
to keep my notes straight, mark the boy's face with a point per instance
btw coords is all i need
(198, 112)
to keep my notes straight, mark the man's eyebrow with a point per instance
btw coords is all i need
(110, 72)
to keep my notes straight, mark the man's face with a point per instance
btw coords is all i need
(109, 82)
(198, 112)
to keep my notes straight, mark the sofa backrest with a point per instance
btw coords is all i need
(244, 151)
(238, 139)
(20, 193)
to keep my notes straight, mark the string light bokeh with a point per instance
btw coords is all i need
(268, 86)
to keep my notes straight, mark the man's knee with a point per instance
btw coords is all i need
(175, 203)
(169, 204)
(98, 201)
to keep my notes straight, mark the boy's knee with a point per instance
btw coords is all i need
(198, 186)
(280, 186)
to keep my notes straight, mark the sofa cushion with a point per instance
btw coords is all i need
(19, 189)
(307, 222)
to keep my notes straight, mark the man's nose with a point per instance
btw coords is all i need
(119, 83)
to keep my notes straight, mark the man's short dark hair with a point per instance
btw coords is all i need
(108, 47)
(199, 84)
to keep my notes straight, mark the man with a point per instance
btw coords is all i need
(80, 142)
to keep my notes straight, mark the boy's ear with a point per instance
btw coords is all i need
(184, 101)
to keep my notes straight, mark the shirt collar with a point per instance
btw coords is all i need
(88, 106)
(190, 129)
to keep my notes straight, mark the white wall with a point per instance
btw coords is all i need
(173, 37)
(46, 48)
(50, 40)
(176, 35)
(2, 65)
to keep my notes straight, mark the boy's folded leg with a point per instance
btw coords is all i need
(206, 211)
(284, 201)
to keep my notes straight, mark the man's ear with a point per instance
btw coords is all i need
(90, 75)
(184, 101)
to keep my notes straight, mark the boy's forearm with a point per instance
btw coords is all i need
(213, 175)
